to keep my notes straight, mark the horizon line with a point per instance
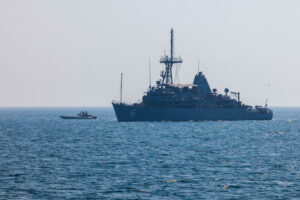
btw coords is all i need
(107, 106)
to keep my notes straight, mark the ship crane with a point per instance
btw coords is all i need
(237, 94)
(167, 76)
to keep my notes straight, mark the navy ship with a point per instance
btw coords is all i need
(81, 115)
(167, 101)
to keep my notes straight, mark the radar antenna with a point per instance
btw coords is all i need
(167, 77)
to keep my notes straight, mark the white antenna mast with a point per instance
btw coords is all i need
(121, 88)
(149, 73)
(267, 94)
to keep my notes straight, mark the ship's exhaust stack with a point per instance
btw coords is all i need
(202, 83)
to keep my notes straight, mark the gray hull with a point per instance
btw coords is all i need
(134, 113)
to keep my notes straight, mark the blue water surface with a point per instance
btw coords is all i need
(45, 157)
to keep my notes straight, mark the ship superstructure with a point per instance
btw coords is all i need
(167, 101)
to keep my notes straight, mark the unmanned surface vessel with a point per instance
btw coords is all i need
(167, 101)
(81, 115)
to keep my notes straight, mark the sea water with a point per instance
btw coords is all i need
(45, 157)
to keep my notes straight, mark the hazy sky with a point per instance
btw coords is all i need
(71, 53)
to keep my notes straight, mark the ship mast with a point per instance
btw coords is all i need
(167, 77)
(121, 88)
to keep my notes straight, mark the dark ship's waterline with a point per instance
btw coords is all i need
(187, 102)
